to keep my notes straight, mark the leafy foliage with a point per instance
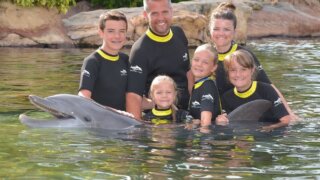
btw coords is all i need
(61, 5)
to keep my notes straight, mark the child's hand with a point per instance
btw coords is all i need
(222, 120)
(205, 129)
(193, 124)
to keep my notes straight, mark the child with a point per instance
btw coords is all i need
(104, 72)
(163, 92)
(204, 101)
(241, 69)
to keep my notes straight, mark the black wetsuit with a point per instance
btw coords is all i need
(106, 77)
(165, 116)
(205, 97)
(258, 90)
(152, 55)
(223, 83)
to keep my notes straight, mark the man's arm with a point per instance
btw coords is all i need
(133, 104)
(190, 78)
(85, 93)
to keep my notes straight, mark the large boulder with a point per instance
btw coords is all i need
(36, 26)
(287, 18)
(31, 26)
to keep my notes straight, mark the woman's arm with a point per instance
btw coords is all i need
(284, 121)
(285, 103)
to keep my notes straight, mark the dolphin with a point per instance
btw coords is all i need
(72, 111)
(250, 111)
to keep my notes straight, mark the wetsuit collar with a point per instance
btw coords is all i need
(107, 56)
(161, 112)
(232, 49)
(199, 82)
(158, 38)
(248, 92)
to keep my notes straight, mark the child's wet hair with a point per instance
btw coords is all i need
(159, 79)
(242, 57)
(209, 47)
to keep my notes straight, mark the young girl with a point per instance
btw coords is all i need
(163, 92)
(204, 101)
(241, 69)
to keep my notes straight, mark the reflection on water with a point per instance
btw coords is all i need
(158, 152)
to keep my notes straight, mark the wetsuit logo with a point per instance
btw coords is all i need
(195, 104)
(207, 97)
(185, 57)
(86, 73)
(123, 72)
(259, 68)
(277, 102)
(136, 69)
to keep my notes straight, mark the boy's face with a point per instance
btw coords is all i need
(164, 95)
(202, 64)
(113, 36)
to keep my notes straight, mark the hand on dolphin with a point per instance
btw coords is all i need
(248, 112)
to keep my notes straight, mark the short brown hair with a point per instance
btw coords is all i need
(111, 15)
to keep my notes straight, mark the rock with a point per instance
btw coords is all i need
(36, 26)
(294, 18)
(31, 26)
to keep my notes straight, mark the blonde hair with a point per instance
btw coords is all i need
(208, 47)
(242, 57)
(159, 79)
(164, 78)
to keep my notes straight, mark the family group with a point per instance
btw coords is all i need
(158, 83)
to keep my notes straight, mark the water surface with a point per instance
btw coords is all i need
(157, 153)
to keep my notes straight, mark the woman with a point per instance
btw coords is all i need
(222, 26)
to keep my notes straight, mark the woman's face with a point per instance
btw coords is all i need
(222, 34)
(239, 76)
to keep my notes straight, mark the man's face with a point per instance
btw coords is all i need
(159, 16)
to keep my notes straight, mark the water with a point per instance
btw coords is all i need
(157, 153)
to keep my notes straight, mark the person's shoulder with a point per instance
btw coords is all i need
(123, 55)
(228, 93)
(177, 30)
(263, 84)
(244, 48)
(93, 57)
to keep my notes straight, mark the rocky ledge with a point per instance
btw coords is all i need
(40, 27)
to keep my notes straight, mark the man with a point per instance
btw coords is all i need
(161, 50)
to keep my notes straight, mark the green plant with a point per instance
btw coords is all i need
(61, 5)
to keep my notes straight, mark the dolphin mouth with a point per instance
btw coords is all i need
(49, 107)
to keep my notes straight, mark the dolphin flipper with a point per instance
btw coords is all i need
(251, 111)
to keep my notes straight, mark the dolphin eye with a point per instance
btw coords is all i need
(87, 119)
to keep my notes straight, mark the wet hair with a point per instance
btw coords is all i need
(225, 10)
(159, 79)
(145, 4)
(111, 15)
(242, 57)
(164, 78)
(209, 47)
